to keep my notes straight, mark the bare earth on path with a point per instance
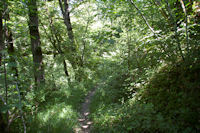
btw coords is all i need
(84, 121)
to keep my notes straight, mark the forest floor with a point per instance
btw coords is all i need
(84, 121)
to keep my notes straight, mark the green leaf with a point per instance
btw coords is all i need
(117, 35)
(4, 108)
(111, 41)
(119, 30)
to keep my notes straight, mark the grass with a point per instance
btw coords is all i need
(59, 113)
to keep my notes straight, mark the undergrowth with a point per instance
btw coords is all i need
(59, 113)
(167, 103)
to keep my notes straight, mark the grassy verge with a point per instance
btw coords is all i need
(60, 111)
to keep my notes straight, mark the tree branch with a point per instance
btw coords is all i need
(145, 20)
(186, 24)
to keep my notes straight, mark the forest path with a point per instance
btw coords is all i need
(84, 121)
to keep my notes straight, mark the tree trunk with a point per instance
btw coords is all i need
(129, 51)
(2, 124)
(67, 21)
(10, 45)
(1, 36)
(35, 43)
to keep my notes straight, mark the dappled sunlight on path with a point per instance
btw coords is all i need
(84, 121)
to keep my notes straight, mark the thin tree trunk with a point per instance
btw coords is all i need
(65, 68)
(10, 45)
(84, 43)
(74, 59)
(129, 51)
(35, 43)
(1, 36)
(186, 24)
(2, 122)
(6, 89)
(11, 52)
(67, 22)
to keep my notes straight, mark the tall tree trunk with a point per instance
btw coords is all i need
(67, 21)
(84, 44)
(1, 34)
(2, 124)
(74, 59)
(35, 43)
(2, 45)
(10, 45)
(11, 52)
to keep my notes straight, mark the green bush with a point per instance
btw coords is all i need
(175, 92)
(168, 103)
(135, 118)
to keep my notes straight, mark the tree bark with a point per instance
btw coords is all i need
(2, 124)
(35, 43)
(10, 45)
(74, 58)
(67, 22)
(1, 35)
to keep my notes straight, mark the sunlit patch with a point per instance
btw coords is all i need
(89, 123)
(58, 117)
(86, 113)
(85, 126)
(65, 112)
(81, 120)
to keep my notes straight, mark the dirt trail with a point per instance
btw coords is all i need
(85, 123)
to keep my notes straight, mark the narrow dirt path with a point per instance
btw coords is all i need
(85, 123)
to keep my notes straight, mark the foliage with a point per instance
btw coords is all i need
(143, 56)
(135, 117)
(174, 91)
